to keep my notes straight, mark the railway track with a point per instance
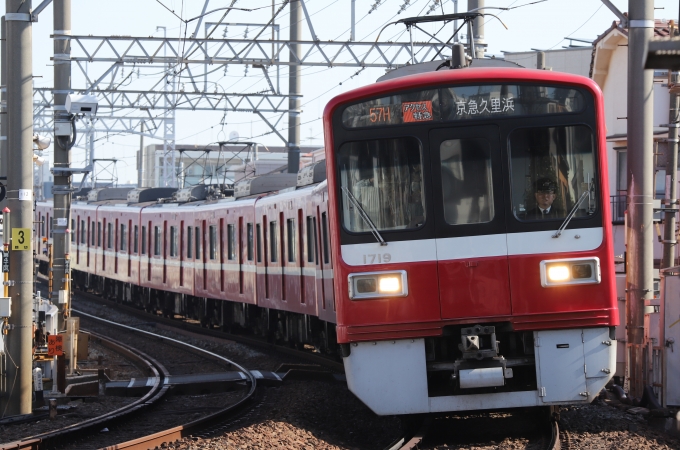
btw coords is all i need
(431, 433)
(67, 437)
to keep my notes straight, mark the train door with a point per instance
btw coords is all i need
(470, 224)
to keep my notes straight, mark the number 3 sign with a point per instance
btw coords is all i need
(21, 238)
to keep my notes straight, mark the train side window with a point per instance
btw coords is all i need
(73, 230)
(231, 242)
(49, 224)
(273, 244)
(197, 231)
(109, 235)
(83, 231)
(92, 234)
(190, 243)
(136, 239)
(324, 236)
(290, 229)
(249, 230)
(212, 236)
(156, 241)
(143, 240)
(311, 250)
(173, 241)
(259, 243)
(123, 237)
(42, 226)
(99, 234)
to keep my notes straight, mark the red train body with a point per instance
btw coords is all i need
(420, 258)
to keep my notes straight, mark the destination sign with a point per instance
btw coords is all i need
(448, 104)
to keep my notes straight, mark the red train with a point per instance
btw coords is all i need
(459, 254)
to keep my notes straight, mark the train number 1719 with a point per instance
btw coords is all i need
(377, 258)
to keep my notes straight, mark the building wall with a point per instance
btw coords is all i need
(571, 60)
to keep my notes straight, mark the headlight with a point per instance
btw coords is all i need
(378, 284)
(570, 271)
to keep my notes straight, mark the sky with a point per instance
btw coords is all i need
(531, 24)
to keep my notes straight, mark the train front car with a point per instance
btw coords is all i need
(470, 219)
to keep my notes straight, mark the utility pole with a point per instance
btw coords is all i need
(477, 28)
(3, 111)
(20, 202)
(639, 226)
(294, 88)
(61, 220)
(671, 201)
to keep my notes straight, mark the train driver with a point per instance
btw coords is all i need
(545, 191)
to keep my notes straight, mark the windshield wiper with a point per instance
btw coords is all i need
(364, 216)
(559, 231)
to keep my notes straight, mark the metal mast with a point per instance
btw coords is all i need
(61, 220)
(294, 72)
(20, 202)
(639, 226)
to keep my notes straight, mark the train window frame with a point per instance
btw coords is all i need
(369, 180)
(290, 237)
(174, 251)
(109, 235)
(73, 230)
(273, 241)
(231, 242)
(551, 222)
(83, 233)
(249, 238)
(135, 240)
(123, 237)
(157, 240)
(324, 237)
(212, 242)
(99, 233)
(311, 239)
(190, 242)
(259, 242)
(144, 243)
(197, 241)
(93, 234)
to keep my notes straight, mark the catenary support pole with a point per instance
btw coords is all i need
(61, 217)
(294, 88)
(669, 239)
(640, 258)
(20, 202)
(478, 28)
(3, 108)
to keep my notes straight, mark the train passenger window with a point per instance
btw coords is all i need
(135, 238)
(109, 236)
(83, 232)
(99, 234)
(212, 236)
(42, 226)
(311, 245)
(73, 230)
(231, 242)
(249, 230)
(92, 233)
(198, 242)
(123, 238)
(290, 229)
(156, 241)
(324, 236)
(384, 177)
(466, 181)
(143, 240)
(259, 243)
(190, 243)
(553, 169)
(173, 241)
(273, 244)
